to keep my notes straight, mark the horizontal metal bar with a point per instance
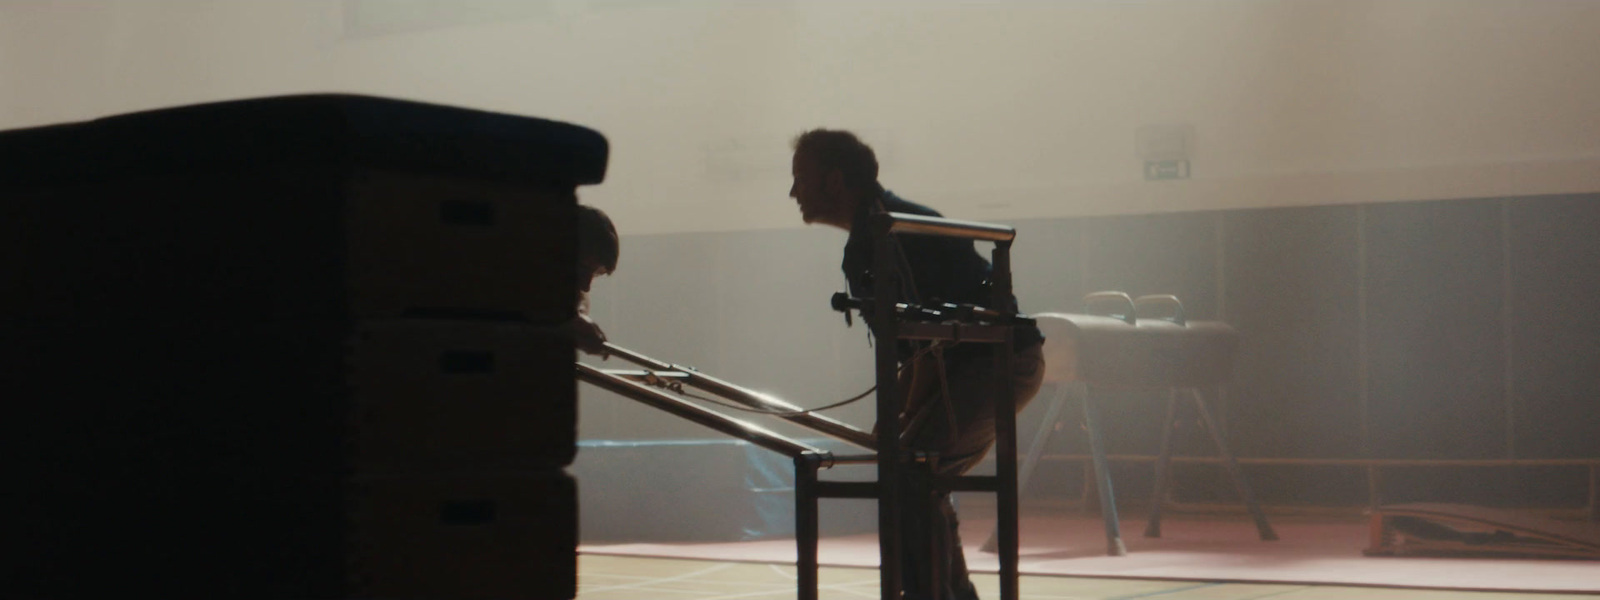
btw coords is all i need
(645, 373)
(819, 423)
(693, 412)
(855, 459)
(847, 489)
(988, 334)
(969, 483)
(923, 225)
(636, 358)
(869, 489)
(1352, 462)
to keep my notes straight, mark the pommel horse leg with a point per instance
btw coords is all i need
(1030, 463)
(1164, 470)
(1263, 528)
(1102, 469)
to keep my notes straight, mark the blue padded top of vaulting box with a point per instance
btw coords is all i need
(331, 130)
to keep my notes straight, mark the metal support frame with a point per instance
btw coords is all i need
(885, 328)
(897, 466)
(805, 525)
(681, 408)
(807, 460)
(892, 465)
(693, 378)
(641, 386)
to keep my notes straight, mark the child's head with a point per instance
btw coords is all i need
(597, 245)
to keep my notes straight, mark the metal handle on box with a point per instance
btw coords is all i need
(1129, 315)
(1175, 307)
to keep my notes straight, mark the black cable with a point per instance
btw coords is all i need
(907, 280)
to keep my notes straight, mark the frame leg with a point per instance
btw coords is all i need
(1262, 526)
(1108, 503)
(932, 554)
(1005, 466)
(1163, 466)
(805, 526)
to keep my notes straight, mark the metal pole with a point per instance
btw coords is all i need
(1102, 469)
(929, 556)
(886, 288)
(682, 408)
(751, 398)
(972, 230)
(1005, 439)
(1163, 463)
(1243, 487)
(805, 525)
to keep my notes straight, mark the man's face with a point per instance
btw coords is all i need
(811, 190)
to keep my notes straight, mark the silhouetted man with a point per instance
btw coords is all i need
(836, 183)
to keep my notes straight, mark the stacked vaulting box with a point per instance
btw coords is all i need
(294, 347)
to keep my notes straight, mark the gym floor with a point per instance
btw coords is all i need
(633, 578)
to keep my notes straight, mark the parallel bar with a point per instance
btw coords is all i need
(658, 399)
(854, 459)
(918, 224)
(847, 489)
(636, 358)
(638, 374)
(821, 424)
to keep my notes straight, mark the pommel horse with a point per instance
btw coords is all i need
(1114, 346)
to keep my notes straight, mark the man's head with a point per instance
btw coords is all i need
(598, 248)
(833, 172)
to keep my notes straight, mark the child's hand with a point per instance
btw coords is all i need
(589, 337)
